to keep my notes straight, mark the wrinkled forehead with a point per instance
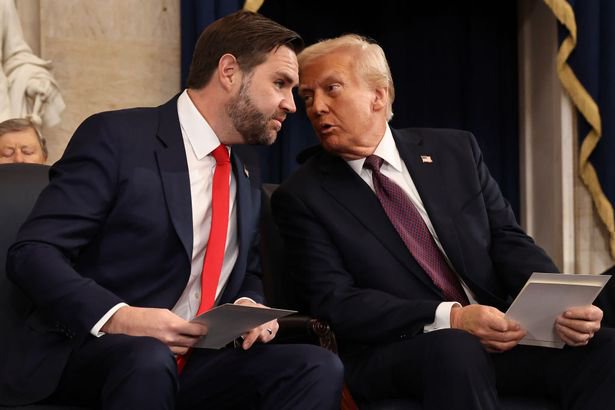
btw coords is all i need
(26, 136)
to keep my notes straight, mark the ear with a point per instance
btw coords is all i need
(381, 96)
(229, 72)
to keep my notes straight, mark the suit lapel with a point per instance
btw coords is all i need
(245, 209)
(173, 168)
(343, 184)
(425, 166)
(243, 205)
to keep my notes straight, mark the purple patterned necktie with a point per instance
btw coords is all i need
(414, 232)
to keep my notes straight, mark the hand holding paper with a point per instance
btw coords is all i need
(496, 332)
(227, 322)
(161, 324)
(263, 333)
(577, 325)
(543, 300)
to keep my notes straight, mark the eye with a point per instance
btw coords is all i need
(280, 84)
(7, 152)
(334, 87)
(307, 98)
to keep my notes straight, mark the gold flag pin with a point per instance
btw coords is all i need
(426, 159)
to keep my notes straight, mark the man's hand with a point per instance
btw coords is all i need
(495, 331)
(263, 333)
(576, 326)
(161, 324)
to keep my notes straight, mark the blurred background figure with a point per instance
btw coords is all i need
(20, 141)
(27, 88)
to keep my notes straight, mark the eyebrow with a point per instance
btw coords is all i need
(332, 77)
(288, 78)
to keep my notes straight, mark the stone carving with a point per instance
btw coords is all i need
(27, 88)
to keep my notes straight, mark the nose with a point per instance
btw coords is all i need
(18, 157)
(288, 103)
(319, 104)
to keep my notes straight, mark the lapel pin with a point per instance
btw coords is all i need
(426, 159)
(245, 171)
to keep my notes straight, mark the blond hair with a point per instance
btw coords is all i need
(371, 62)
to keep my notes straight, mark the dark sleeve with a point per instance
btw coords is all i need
(316, 263)
(67, 215)
(514, 254)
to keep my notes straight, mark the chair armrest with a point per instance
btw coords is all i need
(305, 329)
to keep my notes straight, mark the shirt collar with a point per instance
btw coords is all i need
(386, 150)
(195, 128)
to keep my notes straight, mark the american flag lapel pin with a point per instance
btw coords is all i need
(426, 159)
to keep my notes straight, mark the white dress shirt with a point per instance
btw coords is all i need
(395, 169)
(199, 141)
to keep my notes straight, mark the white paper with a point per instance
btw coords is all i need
(227, 322)
(547, 295)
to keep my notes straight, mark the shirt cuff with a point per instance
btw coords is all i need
(95, 331)
(246, 298)
(442, 319)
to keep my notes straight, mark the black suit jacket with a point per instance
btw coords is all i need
(352, 267)
(114, 225)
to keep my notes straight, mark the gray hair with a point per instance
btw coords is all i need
(22, 124)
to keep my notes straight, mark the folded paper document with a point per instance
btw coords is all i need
(227, 322)
(547, 295)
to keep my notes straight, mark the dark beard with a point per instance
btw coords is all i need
(247, 119)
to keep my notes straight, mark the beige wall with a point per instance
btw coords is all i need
(106, 54)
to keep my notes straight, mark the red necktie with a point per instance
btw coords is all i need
(414, 232)
(214, 253)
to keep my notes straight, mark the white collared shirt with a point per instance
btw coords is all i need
(199, 141)
(395, 169)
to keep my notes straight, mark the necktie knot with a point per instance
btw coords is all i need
(221, 154)
(373, 162)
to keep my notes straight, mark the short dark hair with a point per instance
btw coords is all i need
(246, 35)
(22, 124)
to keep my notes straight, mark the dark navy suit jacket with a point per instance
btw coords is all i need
(114, 225)
(351, 265)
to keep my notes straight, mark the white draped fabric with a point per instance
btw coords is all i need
(27, 87)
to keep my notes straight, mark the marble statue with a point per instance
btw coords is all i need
(27, 88)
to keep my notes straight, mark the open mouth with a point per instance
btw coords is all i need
(325, 128)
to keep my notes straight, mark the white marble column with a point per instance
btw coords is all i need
(556, 208)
